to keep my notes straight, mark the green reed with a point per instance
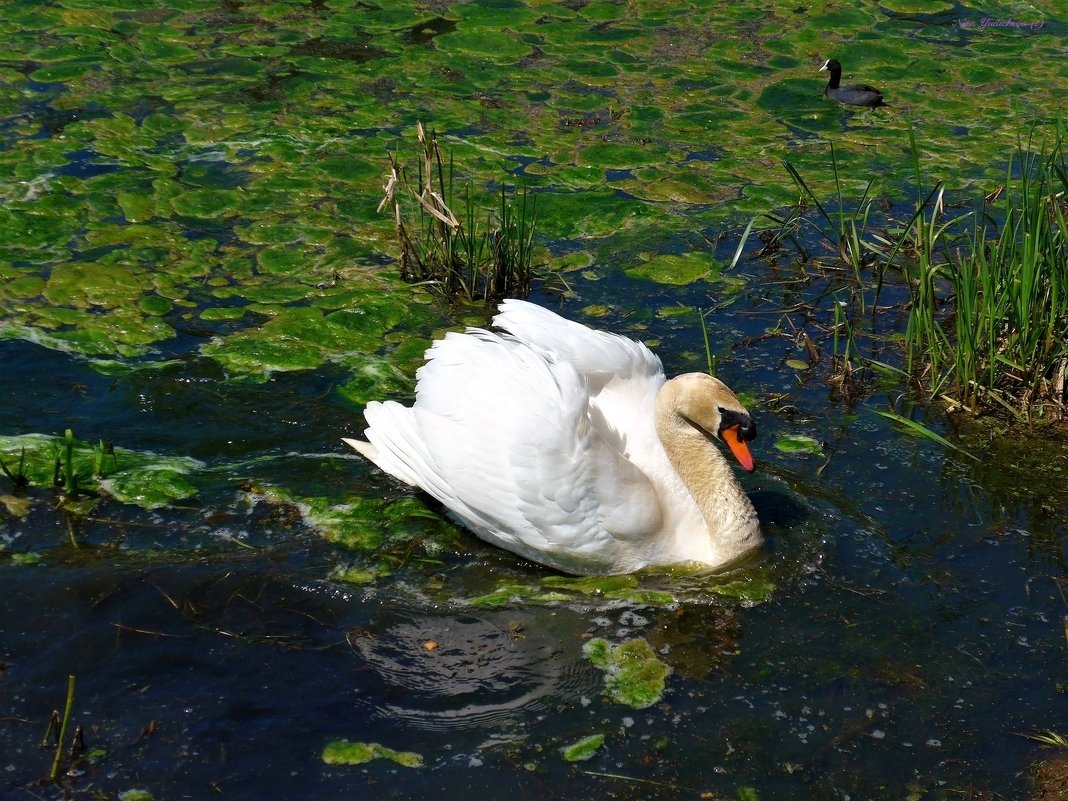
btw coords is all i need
(474, 255)
(844, 230)
(19, 479)
(987, 310)
(711, 362)
(56, 735)
(1004, 341)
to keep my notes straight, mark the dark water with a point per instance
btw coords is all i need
(915, 632)
(913, 629)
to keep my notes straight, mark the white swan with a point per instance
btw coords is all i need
(568, 446)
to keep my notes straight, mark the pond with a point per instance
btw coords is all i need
(196, 283)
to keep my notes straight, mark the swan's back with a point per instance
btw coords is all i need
(525, 436)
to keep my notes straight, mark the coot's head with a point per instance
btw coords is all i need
(831, 65)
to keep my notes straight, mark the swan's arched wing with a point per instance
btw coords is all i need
(501, 434)
(621, 375)
(599, 356)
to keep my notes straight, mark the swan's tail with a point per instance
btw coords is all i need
(365, 449)
(392, 442)
(396, 444)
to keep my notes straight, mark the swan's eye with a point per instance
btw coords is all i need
(747, 429)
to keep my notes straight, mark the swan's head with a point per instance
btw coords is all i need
(707, 404)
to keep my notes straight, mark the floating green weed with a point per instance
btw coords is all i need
(752, 589)
(151, 487)
(508, 593)
(676, 270)
(799, 444)
(363, 525)
(374, 377)
(306, 337)
(584, 749)
(141, 479)
(555, 589)
(253, 179)
(656, 589)
(344, 752)
(634, 675)
(359, 575)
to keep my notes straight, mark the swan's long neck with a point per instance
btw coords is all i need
(733, 526)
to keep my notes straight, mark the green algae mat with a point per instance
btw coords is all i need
(194, 264)
(196, 176)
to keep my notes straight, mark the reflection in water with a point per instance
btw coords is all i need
(467, 672)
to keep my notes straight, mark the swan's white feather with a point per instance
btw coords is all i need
(542, 440)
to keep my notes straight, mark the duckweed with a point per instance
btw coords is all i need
(140, 479)
(591, 589)
(634, 675)
(799, 444)
(676, 270)
(123, 207)
(343, 752)
(584, 749)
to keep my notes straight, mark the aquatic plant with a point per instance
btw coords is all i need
(844, 232)
(584, 749)
(458, 256)
(78, 469)
(19, 479)
(918, 429)
(844, 353)
(710, 358)
(987, 309)
(56, 733)
(343, 752)
(1004, 342)
(66, 462)
(1047, 737)
(634, 675)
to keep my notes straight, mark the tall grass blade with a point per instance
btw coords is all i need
(920, 430)
(741, 244)
(54, 773)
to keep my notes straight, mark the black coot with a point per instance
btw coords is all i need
(858, 95)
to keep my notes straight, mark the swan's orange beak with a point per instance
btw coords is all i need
(732, 436)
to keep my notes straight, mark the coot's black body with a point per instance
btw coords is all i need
(857, 95)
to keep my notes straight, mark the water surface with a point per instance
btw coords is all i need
(193, 269)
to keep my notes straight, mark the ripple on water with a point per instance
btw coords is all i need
(489, 670)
